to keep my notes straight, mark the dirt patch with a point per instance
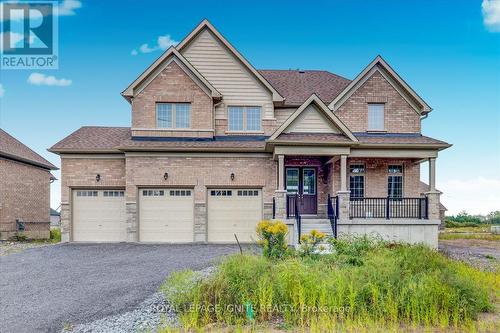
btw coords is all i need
(7, 247)
(480, 253)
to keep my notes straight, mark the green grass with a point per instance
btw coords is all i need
(364, 284)
(55, 235)
(482, 236)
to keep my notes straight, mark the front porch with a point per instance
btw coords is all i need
(352, 193)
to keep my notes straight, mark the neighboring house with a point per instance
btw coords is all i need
(216, 145)
(55, 218)
(24, 190)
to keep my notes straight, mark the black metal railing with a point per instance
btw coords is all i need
(333, 213)
(298, 218)
(291, 199)
(387, 208)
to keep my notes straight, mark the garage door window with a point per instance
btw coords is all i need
(153, 193)
(248, 193)
(86, 193)
(180, 193)
(221, 193)
(114, 193)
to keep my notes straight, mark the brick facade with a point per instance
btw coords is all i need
(25, 196)
(172, 85)
(400, 117)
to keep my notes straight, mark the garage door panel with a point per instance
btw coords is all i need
(233, 211)
(166, 215)
(99, 216)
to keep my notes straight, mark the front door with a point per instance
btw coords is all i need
(302, 181)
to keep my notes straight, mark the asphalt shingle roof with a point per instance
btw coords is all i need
(12, 148)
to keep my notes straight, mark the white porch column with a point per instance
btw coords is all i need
(343, 173)
(281, 172)
(432, 174)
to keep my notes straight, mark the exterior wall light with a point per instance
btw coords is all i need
(98, 178)
(165, 175)
(232, 176)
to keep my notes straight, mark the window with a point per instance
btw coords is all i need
(221, 193)
(292, 180)
(357, 180)
(248, 193)
(376, 117)
(173, 115)
(114, 193)
(180, 193)
(153, 193)
(244, 118)
(395, 181)
(86, 193)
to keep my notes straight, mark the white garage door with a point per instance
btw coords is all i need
(166, 215)
(99, 216)
(233, 211)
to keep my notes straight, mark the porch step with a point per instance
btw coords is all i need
(322, 225)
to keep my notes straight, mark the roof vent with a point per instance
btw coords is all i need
(301, 71)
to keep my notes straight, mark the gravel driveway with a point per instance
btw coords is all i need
(43, 289)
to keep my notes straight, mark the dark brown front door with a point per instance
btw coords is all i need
(302, 181)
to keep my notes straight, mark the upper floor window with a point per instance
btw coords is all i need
(395, 181)
(244, 118)
(376, 117)
(173, 115)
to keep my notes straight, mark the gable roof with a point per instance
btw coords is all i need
(297, 85)
(163, 60)
(314, 99)
(379, 64)
(14, 149)
(205, 24)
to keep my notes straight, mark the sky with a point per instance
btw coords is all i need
(447, 51)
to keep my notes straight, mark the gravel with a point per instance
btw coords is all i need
(9, 247)
(481, 254)
(49, 288)
(154, 312)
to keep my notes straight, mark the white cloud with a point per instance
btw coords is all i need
(44, 80)
(491, 14)
(162, 43)
(65, 8)
(478, 195)
(68, 7)
(2, 90)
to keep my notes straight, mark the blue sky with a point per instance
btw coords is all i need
(448, 51)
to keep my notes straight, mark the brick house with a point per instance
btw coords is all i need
(216, 145)
(24, 190)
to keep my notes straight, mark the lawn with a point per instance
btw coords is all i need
(362, 285)
(469, 232)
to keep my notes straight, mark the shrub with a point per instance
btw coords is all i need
(272, 237)
(396, 284)
(55, 235)
(19, 237)
(309, 243)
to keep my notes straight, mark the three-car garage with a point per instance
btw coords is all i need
(166, 215)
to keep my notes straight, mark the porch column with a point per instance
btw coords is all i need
(280, 193)
(343, 173)
(433, 196)
(281, 172)
(343, 194)
(432, 174)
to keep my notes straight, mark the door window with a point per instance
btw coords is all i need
(292, 180)
(309, 181)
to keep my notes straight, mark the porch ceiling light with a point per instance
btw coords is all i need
(165, 175)
(98, 178)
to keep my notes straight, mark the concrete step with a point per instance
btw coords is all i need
(315, 221)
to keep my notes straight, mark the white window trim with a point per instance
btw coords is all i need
(244, 130)
(402, 174)
(358, 174)
(383, 129)
(174, 113)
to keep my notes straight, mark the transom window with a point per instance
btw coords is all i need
(248, 193)
(376, 117)
(244, 118)
(173, 115)
(395, 181)
(357, 180)
(180, 193)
